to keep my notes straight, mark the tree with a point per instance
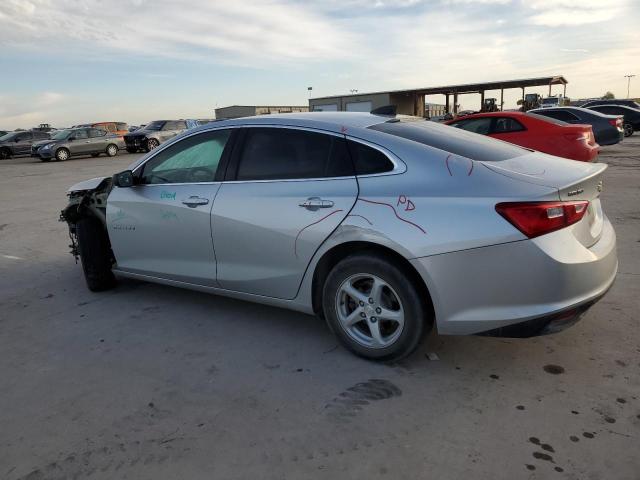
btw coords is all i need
(608, 96)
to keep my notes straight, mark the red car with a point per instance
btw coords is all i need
(535, 132)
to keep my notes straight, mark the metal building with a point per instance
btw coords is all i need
(237, 111)
(412, 102)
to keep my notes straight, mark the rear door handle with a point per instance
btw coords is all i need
(194, 201)
(313, 203)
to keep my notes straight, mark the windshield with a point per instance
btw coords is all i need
(61, 135)
(8, 136)
(451, 139)
(155, 125)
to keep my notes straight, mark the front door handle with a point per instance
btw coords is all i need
(313, 203)
(194, 201)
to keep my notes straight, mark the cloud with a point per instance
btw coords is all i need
(233, 32)
(555, 13)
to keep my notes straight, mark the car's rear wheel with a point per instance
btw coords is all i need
(112, 150)
(628, 129)
(132, 150)
(151, 144)
(5, 153)
(62, 154)
(374, 307)
(95, 254)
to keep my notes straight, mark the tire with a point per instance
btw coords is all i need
(112, 150)
(628, 129)
(5, 153)
(94, 155)
(62, 154)
(151, 144)
(95, 254)
(400, 298)
(132, 150)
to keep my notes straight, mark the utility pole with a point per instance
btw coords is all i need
(628, 77)
(353, 90)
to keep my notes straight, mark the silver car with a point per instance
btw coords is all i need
(383, 226)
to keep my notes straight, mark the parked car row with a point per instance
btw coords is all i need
(569, 132)
(47, 143)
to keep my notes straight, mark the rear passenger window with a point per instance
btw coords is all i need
(282, 153)
(97, 132)
(507, 125)
(368, 160)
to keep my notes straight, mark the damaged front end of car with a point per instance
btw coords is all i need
(86, 200)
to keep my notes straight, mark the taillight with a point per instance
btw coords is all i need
(538, 218)
(614, 122)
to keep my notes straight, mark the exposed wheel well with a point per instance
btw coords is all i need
(339, 252)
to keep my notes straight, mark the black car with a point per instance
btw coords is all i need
(631, 116)
(19, 143)
(607, 129)
(153, 134)
(626, 103)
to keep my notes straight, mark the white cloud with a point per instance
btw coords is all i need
(231, 32)
(555, 13)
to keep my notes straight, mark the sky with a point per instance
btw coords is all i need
(67, 62)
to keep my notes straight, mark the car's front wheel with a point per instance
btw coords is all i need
(95, 254)
(112, 150)
(374, 307)
(5, 153)
(62, 154)
(628, 129)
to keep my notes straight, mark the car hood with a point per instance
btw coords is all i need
(140, 132)
(87, 184)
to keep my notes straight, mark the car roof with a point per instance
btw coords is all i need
(331, 121)
(615, 105)
(584, 111)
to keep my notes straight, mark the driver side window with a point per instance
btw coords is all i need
(192, 160)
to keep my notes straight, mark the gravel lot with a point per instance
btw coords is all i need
(150, 382)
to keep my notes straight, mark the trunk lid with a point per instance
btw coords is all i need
(573, 180)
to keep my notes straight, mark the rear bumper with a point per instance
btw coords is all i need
(541, 281)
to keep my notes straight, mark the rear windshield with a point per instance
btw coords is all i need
(451, 139)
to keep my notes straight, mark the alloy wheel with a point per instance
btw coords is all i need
(369, 310)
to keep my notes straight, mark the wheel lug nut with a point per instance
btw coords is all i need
(374, 319)
(362, 314)
(371, 300)
(378, 310)
(361, 304)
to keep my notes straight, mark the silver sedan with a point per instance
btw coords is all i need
(383, 226)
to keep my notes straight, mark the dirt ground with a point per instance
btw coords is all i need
(150, 382)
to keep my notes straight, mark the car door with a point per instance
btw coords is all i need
(98, 140)
(286, 191)
(81, 144)
(23, 143)
(161, 226)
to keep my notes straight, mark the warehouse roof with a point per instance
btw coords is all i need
(470, 87)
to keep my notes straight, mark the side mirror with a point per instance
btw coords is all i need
(123, 179)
